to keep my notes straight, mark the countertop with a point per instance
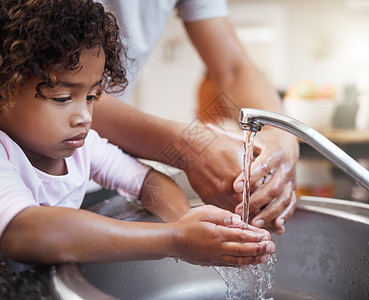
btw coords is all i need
(346, 136)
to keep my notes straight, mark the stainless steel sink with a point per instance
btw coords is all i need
(324, 254)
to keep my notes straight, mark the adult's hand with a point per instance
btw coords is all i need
(208, 235)
(212, 172)
(273, 180)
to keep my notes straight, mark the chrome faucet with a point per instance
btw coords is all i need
(255, 119)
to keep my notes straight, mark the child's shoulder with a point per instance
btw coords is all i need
(3, 136)
(10, 150)
(6, 143)
(94, 138)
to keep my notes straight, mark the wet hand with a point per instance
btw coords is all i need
(212, 172)
(273, 180)
(208, 235)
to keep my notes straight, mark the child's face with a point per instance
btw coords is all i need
(56, 126)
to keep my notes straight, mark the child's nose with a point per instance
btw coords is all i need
(82, 115)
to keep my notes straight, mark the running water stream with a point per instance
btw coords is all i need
(248, 152)
(251, 282)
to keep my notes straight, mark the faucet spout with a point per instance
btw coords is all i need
(255, 119)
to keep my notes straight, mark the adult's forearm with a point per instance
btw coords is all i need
(248, 87)
(135, 132)
(145, 136)
(230, 68)
(49, 235)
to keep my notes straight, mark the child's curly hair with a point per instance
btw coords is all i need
(39, 36)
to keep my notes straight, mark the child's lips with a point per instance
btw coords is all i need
(77, 141)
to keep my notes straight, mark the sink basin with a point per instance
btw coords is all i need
(324, 254)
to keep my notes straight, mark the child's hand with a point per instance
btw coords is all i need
(208, 235)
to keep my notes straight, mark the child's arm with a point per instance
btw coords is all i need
(49, 235)
(114, 169)
(163, 197)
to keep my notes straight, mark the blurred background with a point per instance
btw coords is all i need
(314, 52)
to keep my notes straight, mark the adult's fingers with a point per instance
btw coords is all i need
(238, 183)
(276, 213)
(281, 220)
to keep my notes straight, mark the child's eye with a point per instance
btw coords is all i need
(92, 97)
(62, 99)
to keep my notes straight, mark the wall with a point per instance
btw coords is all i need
(168, 85)
(321, 40)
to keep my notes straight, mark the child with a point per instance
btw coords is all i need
(57, 56)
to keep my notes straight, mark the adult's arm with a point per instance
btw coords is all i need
(241, 81)
(207, 157)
